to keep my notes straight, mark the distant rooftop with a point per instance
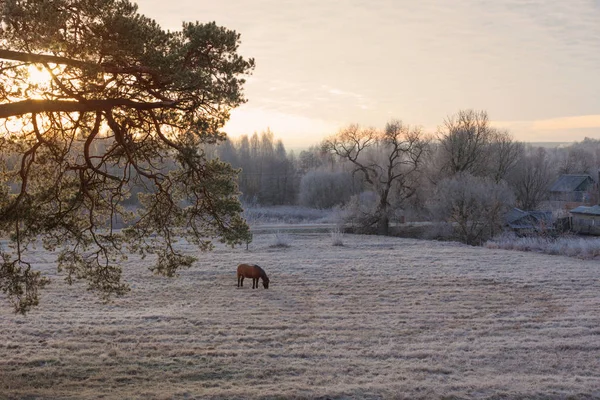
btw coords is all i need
(570, 183)
(517, 214)
(519, 219)
(595, 210)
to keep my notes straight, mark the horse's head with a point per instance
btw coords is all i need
(266, 282)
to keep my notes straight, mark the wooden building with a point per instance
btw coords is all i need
(586, 220)
(528, 222)
(580, 189)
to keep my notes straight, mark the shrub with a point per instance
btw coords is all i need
(280, 239)
(568, 245)
(325, 189)
(337, 237)
(474, 205)
(286, 215)
(360, 212)
(438, 231)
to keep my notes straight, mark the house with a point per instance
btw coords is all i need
(586, 220)
(574, 189)
(524, 222)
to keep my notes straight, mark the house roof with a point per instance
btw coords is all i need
(595, 210)
(514, 215)
(517, 218)
(569, 183)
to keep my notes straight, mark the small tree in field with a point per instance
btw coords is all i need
(475, 206)
(388, 160)
(94, 100)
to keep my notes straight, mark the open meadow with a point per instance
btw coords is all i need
(378, 317)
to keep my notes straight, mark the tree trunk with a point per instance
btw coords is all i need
(383, 225)
(383, 219)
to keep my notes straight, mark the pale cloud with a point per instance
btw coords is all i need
(579, 122)
(335, 91)
(339, 92)
(552, 124)
(308, 99)
(564, 129)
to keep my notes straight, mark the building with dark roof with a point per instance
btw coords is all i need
(586, 220)
(525, 222)
(574, 189)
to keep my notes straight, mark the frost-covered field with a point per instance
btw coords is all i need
(375, 318)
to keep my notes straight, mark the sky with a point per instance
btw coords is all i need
(533, 65)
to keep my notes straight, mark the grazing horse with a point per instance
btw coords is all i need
(252, 271)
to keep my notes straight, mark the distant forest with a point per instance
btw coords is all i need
(318, 178)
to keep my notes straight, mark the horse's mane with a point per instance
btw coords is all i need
(262, 271)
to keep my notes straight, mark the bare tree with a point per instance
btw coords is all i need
(388, 160)
(468, 143)
(475, 205)
(464, 139)
(575, 160)
(504, 154)
(531, 178)
(316, 157)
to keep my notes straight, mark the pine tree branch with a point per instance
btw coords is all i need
(47, 58)
(41, 106)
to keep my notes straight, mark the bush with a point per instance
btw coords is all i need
(568, 245)
(287, 215)
(475, 206)
(360, 213)
(325, 189)
(337, 237)
(438, 231)
(280, 239)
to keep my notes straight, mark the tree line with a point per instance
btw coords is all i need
(467, 173)
(465, 169)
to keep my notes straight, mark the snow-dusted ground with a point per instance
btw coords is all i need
(375, 318)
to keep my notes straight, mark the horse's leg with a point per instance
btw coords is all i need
(254, 283)
(238, 281)
(242, 281)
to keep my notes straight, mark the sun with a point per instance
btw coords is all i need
(38, 76)
(38, 81)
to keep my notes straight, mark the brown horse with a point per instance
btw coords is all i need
(252, 271)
